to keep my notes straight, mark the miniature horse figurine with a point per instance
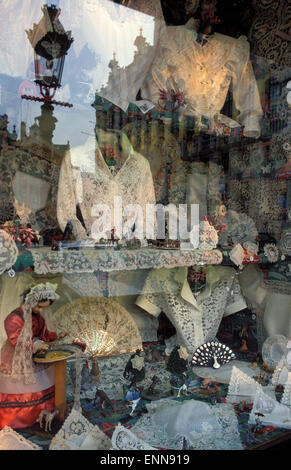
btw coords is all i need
(49, 416)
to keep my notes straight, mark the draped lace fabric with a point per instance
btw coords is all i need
(198, 72)
(78, 434)
(205, 427)
(271, 412)
(241, 386)
(196, 320)
(223, 374)
(11, 440)
(8, 251)
(124, 439)
(86, 188)
(22, 363)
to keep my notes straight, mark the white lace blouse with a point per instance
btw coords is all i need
(96, 185)
(196, 319)
(203, 74)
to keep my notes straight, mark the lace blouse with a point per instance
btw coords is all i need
(196, 319)
(95, 185)
(202, 75)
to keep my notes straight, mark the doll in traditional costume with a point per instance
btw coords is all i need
(26, 388)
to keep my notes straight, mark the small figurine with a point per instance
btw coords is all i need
(177, 363)
(102, 399)
(133, 397)
(48, 416)
(135, 368)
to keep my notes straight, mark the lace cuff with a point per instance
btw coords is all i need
(251, 125)
(144, 303)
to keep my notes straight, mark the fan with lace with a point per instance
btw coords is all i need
(104, 326)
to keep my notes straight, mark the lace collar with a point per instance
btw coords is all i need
(212, 277)
(126, 147)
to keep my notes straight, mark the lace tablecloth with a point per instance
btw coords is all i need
(88, 260)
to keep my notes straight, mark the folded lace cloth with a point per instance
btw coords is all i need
(11, 440)
(269, 411)
(78, 434)
(205, 427)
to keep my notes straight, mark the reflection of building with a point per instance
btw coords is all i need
(29, 168)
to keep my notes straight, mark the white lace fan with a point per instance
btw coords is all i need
(102, 324)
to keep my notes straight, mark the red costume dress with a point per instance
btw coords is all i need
(20, 410)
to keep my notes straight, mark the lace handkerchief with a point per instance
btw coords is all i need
(241, 387)
(203, 426)
(78, 434)
(269, 412)
(11, 440)
(124, 439)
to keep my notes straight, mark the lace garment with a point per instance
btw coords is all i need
(205, 427)
(196, 320)
(107, 260)
(241, 386)
(197, 71)
(8, 251)
(124, 439)
(88, 187)
(11, 440)
(78, 434)
(271, 412)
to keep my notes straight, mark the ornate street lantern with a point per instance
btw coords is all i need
(51, 43)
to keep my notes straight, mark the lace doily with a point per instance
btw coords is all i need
(124, 439)
(8, 251)
(90, 260)
(78, 434)
(205, 427)
(11, 440)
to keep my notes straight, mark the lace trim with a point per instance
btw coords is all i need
(89, 260)
(8, 251)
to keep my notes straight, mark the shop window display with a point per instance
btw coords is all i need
(145, 210)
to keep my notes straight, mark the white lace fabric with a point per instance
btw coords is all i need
(8, 251)
(241, 387)
(205, 427)
(11, 440)
(124, 439)
(196, 320)
(88, 260)
(202, 71)
(77, 433)
(271, 412)
(133, 183)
